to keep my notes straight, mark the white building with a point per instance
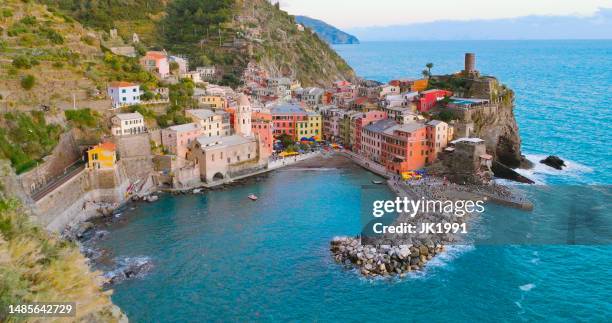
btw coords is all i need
(214, 123)
(194, 76)
(123, 94)
(127, 124)
(207, 72)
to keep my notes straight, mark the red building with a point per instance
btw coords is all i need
(428, 99)
(284, 118)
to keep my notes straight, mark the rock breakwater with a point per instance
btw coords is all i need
(382, 260)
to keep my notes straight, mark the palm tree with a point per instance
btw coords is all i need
(426, 73)
(429, 67)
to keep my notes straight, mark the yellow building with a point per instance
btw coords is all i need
(419, 85)
(213, 101)
(101, 156)
(312, 127)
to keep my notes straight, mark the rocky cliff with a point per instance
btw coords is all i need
(497, 126)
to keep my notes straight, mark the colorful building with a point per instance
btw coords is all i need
(437, 137)
(311, 127)
(405, 148)
(124, 124)
(102, 156)
(371, 137)
(212, 101)
(367, 118)
(428, 99)
(285, 117)
(213, 123)
(262, 129)
(176, 139)
(156, 62)
(123, 94)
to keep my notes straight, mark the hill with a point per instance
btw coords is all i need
(326, 31)
(225, 33)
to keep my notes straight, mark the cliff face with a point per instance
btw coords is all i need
(497, 126)
(501, 130)
(284, 50)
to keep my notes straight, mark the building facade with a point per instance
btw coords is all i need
(123, 94)
(124, 124)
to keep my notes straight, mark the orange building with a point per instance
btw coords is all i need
(405, 148)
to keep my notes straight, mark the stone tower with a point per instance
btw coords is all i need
(243, 116)
(470, 65)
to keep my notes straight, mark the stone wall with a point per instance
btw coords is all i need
(135, 154)
(70, 202)
(64, 154)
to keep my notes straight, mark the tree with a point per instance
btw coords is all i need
(28, 81)
(429, 67)
(174, 66)
(425, 73)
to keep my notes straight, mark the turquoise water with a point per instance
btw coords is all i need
(220, 257)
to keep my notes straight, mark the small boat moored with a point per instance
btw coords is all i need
(252, 197)
(377, 182)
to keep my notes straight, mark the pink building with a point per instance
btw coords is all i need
(156, 62)
(262, 129)
(177, 138)
(367, 118)
(371, 142)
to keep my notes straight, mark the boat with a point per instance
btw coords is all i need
(252, 197)
(377, 182)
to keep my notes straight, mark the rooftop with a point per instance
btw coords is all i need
(287, 108)
(201, 113)
(467, 140)
(129, 116)
(409, 127)
(155, 55)
(381, 125)
(185, 127)
(121, 84)
(227, 141)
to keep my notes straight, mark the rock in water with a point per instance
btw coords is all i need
(554, 162)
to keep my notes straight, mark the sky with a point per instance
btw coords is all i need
(347, 14)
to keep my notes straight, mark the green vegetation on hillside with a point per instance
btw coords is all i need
(103, 14)
(25, 138)
(38, 267)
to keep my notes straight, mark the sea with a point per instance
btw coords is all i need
(218, 256)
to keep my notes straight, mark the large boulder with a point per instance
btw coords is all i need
(554, 162)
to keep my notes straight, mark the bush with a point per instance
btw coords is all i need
(27, 138)
(82, 118)
(89, 40)
(28, 82)
(52, 35)
(7, 13)
(24, 62)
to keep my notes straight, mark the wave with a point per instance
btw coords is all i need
(539, 173)
(527, 287)
(128, 268)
